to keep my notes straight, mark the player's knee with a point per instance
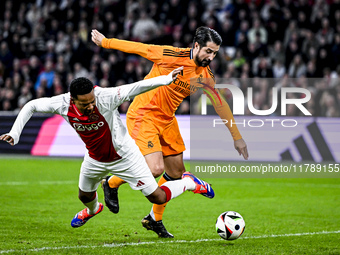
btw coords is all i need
(157, 170)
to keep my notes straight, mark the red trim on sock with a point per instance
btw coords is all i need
(167, 192)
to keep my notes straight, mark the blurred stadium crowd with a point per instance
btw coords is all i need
(44, 44)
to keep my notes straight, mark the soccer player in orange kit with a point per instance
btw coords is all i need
(151, 117)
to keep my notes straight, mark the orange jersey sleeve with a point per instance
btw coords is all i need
(223, 110)
(220, 105)
(151, 52)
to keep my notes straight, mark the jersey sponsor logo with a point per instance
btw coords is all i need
(184, 92)
(180, 83)
(182, 87)
(140, 183)
(87, 127)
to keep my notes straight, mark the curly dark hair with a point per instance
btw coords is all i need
(80, 86)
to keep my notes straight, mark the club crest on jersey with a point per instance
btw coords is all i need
(87, 127)
(94, 117)
(195, 83)
(200, 78)
(150, 144)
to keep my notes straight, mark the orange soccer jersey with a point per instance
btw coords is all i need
(158, 106)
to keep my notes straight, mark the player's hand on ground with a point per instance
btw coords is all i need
(176, 72)
(241, 147)
(97, 37)
(7, 138)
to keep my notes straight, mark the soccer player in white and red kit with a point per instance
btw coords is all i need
(92, 112)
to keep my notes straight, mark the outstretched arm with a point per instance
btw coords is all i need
(140, 87)
(223, 110)
(225, 113)
(37, 105)
(151, 52)
(125, 92)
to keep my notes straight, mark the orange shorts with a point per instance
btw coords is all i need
(155, 134)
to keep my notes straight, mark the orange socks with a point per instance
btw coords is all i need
(115, 182)
(158, 210)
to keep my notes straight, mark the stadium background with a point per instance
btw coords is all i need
(50, 40)
(45, 44)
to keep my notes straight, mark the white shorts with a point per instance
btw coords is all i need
(132, 168)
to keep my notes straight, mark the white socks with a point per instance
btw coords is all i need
(179, 186)
(93, 206)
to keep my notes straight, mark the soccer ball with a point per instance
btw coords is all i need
(230, 225)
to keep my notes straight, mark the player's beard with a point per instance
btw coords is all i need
(202, 62)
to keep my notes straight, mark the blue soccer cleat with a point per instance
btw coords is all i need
(82, 217)
(202, 187)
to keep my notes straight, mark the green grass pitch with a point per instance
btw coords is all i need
(283, 216)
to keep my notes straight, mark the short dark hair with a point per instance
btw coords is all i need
(80, 86)
(206, 34)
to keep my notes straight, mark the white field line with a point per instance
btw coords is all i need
(37, 183)
(116, 245)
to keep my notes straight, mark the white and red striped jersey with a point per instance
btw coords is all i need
(103, 132)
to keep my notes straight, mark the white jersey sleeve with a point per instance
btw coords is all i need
(117, 95)
(44, 105)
